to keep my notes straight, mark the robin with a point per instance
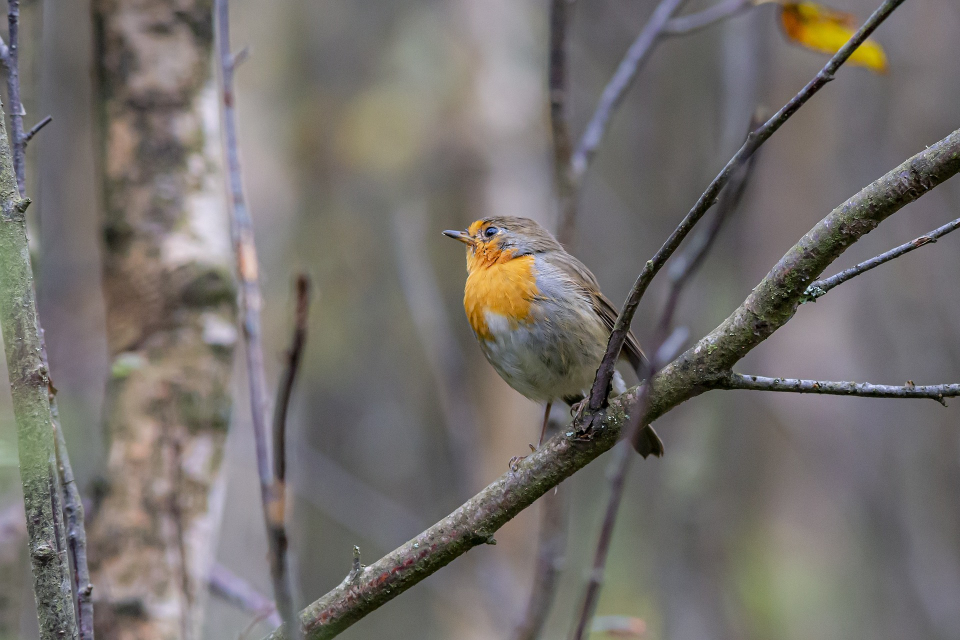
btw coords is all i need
(539, 315)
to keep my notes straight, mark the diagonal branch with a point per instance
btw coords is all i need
(771, 304)
(820, 287)
(616, 89)
(862, 389)
(618, 336)
(251, 300)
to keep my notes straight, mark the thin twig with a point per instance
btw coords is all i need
(238, 592)
(557, 75)
(683, 25)
(11, 60)
(289, 376)
(284, 392)
(687, 263)
(620, 465)
(76, 534)
(861, 389)
(820, 287)
(616, 89)
(551, 545)
(35, 129)
(598, 393)
(251, 300)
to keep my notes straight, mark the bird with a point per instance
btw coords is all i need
(539, 315)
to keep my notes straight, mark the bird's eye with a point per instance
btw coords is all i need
(491, 231)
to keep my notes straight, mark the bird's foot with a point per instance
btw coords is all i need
(516, 460)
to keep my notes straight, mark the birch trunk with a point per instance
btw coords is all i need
(170, 301)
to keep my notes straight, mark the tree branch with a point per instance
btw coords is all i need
(598, 393)
(11, 60)
(862, 389)
(768, 307)
(687, 264)
(240, 593)
(251, 301)
(683, 25)
(557, 76)
(820, 287)
(616, 89)
(35, 129)
(29, 384)
(76, 532)
(551, 545)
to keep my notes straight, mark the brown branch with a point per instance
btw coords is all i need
(598, 394)
(771, 304)
(683, 25)
(861, 389)
(277, 529)
(251, 301)
(820, 287)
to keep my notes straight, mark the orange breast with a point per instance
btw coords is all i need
(504, 286)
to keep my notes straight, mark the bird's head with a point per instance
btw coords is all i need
(500, 238)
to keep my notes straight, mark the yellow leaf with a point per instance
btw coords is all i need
(826, 30)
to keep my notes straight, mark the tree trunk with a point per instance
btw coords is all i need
(170, 300)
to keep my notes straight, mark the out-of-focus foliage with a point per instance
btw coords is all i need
(823, 29)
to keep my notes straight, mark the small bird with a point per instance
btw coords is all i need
(539, 315)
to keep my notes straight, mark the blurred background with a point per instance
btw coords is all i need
(367, 128)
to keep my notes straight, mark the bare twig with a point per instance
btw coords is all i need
(238, 592)
(557, 76)
(687, 263)
(616, 89)
(289, 376)
(598, 393)
(619, 466)
(820, 287)
(251, 300)
(76, 533)
(683, 25)
(551, 546)
(11, 60)
(35, 129)
(861, 389)
(771, 304)
(278, 528)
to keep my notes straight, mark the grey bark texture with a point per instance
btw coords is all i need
(170, 299)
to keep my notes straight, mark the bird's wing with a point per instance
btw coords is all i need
(580, 274)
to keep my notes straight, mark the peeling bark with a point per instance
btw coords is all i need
(171, 329)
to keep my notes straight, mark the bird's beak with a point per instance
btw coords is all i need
(462, 236)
